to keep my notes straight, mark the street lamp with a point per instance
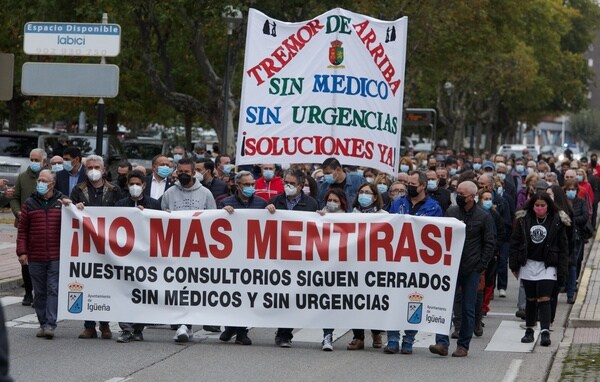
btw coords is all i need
(233, 18)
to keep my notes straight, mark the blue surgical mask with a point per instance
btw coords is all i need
(68, 165)
(571, 194)
(476, 166)
(487, 204)
(502, 176)
(248, 191)
(177, 157)
(452, 172)
(404, 167)
(57, 167)
(476, 199)
(431, 185)
(268, 174)
(164, 171)
(520, 168)
(329, 178)
(360, 172)
(382, 188)
(579, 178)
(35, 167)
(365, 200)
(41, 188)
(500, 191)
(227, 168)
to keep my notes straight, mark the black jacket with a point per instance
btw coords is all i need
(306, 203)
(62, 180)
(556, 249)
(148, 181)
(442, 196)
(480, 242)
(110, 194)
(146, 202)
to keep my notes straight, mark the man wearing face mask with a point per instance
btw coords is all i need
(477, 251)
(440, 195)
(268, 185)
(95, 192)
(335, 176)
(135, 183)
(73, 171)
(416, 203)
(451, 166)
(178, 154)
(24, 186)
(160, 179)
(244, 197)
(123, 169)
(56, 163)
(204, 174)
(293, 199)
(223, 166)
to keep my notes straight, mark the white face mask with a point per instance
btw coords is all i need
(94, 175)
(290, 190)
(135, 190)
(199, 177)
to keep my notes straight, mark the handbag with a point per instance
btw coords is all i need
(587, 231)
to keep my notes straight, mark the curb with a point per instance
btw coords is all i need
(12, 283)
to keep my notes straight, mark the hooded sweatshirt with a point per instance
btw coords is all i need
(197, 197)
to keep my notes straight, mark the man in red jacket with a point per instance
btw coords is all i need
(38, 244)
(268, 185)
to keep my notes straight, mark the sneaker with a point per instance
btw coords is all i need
(41, 333)
(406, 348)
(283, 342)
(49, 333)
(545, 338)
(138, 335)
(89, 333)
(243, 339)
(227, 334)
(125, 337)
(377, 341)
(327, 343)
(392, 347)
(520, 313)
(106, 334)
(528, 337)
(183, 334)
(501, 292)
(356, 344)
(27, 300)
(211, 328)
(439, 349)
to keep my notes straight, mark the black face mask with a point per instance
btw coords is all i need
(461, 201)
(122, 180)
(593, 163)
(432, 168)
(412, 191)
(442, 182)
(184, 179)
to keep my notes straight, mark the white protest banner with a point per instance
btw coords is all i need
(331, 86)
(253, 268)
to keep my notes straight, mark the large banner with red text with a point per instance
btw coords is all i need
(330, 86)
(254, 268)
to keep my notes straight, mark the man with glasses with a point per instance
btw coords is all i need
(477, 251)
(293, 199)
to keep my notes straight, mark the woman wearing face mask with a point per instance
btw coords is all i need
(383, 183)
(406, 165)
(311, 187)
(368, 200)
(538, 256)
(580, 219)
(335, 203)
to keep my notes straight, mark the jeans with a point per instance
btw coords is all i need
(409, 336)
(502, 267)
(469, 284)
(44, 277)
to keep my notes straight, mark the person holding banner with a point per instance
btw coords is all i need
(293, 199)
(539, 257)
(368, 200)
(477, 251)
(268, 185)
(245, 197)
(335, 176)
(187, 194)
(38, 244)
(417, 203)
(95, 192)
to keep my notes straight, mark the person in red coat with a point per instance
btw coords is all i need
(38, 244)
(268, 185)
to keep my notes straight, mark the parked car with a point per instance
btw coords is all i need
(14, 153)
(516, 150)
(141, 151)
(112, 150)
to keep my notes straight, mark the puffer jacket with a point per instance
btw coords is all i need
(39, 228)
(556, 247)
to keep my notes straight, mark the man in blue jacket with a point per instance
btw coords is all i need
(416, 203)
(335, 176)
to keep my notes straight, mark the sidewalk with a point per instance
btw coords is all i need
(10, 269)
(578, 356)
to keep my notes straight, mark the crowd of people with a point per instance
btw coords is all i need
(530, 215)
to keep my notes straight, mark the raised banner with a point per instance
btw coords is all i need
(253, 268)
(330, 86)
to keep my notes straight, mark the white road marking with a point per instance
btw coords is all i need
(513, 370)
(29, 321)
(507, 338)
(118, 379)
(10, 300)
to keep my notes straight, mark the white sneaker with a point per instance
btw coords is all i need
(502, 292)
(327, 344)
(183, 334)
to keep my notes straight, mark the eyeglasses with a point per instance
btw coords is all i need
(365, 192)
(247, 184)
(396, 192)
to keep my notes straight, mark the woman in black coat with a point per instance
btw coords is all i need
(537, 256)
